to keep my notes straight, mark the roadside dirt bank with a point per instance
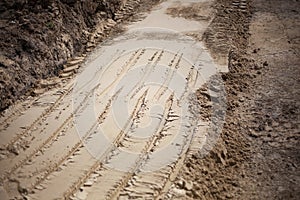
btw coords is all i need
(257, 155)
(38, 38)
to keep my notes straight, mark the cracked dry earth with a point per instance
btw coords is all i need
(143, 118)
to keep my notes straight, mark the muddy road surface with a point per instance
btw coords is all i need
(124, 124)
(193, 100)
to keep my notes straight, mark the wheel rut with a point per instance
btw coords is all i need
(121, 128)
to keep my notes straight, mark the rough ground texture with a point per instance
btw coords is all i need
(257, 155)
(38, 37)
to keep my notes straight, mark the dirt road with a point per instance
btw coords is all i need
(143, 114)
(123, 125)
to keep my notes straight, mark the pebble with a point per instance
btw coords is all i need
(180, 183)
(189, 185)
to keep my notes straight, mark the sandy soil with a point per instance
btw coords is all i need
(257, 154)
(140, 122)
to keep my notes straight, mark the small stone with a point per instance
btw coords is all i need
(180, 184)
(189, 185)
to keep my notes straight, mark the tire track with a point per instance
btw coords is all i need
(78, 145)
(130, 63)
(147, 148)
(173, 64)
(126, 10)
(82, 105)
(127, 177)
(17, 111)
(191, 148)
(148, 185)
(91, 163)
(145, 184)
(20, 108)
(48, 140)
(113, 58)
(63, 92)
(115, 182)
(39, 176)
(117, 179)
(153, 61)
(59, 163)
(39, 119)
(190, 81)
